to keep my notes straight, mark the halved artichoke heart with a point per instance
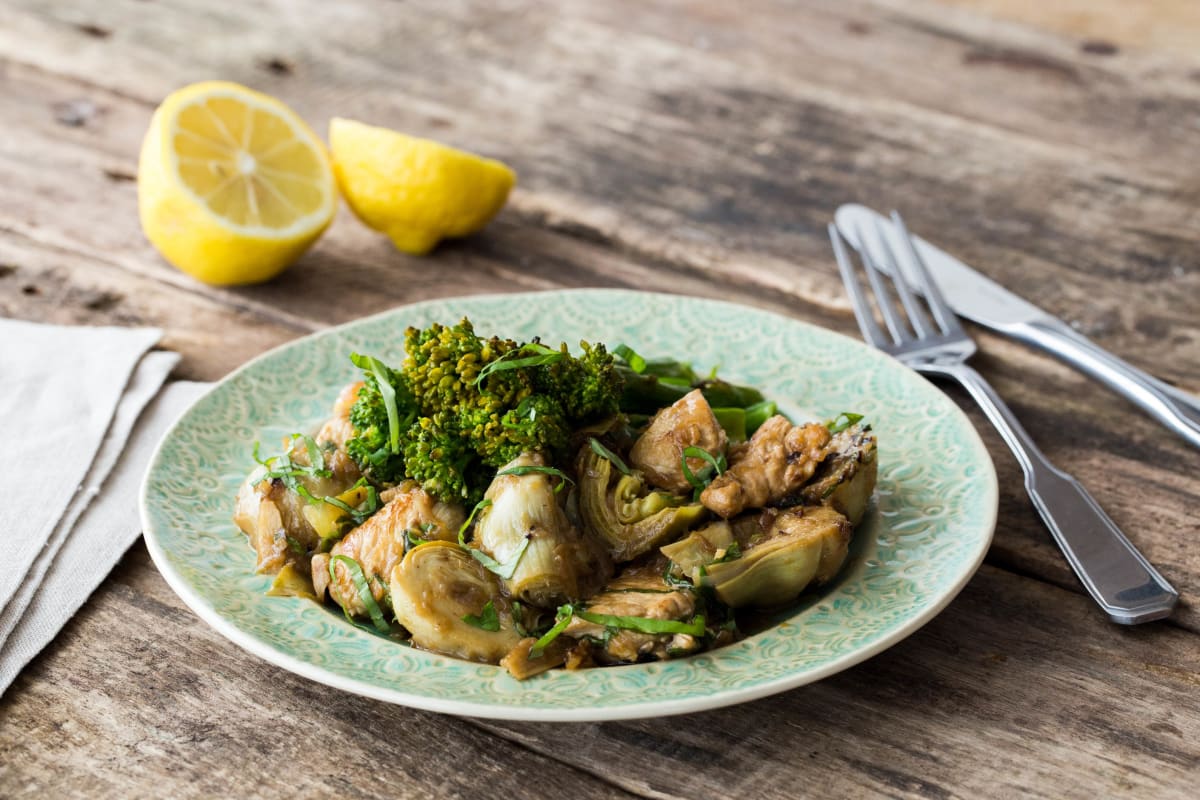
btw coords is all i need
(524, 527)
(630, 520)
(435, 587)
(846, 477)
(783, 552)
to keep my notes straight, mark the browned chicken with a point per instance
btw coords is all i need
(639, 591)
(378, 544)
(337, 431)
(776, 462)
(272, 515)
(658, 452)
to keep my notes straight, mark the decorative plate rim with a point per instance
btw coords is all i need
(583, 711)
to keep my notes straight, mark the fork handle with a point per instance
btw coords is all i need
(1112, 570)
(1172, 407)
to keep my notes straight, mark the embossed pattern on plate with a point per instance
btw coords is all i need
(923, 539)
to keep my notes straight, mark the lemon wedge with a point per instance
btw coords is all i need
(415, 190)
(232, 185)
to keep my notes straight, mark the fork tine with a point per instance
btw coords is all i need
(933, 295)
(862, 309)
(916, 316)
(886, 307)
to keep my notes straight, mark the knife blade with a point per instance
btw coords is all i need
(982, 300)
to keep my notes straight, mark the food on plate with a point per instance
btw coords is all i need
(519, 504)
(232, 185)
(416, 191)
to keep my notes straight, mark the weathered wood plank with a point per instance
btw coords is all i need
(529, 248)
(45, 284)
(730, 114)
(1011, 692)
(694, 147)
(1159, 26)
(212, 721)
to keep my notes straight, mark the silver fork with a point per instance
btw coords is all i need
(1116, 575)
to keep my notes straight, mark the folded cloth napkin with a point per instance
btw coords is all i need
(83, 412)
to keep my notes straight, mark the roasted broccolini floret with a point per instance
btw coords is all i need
(469, 404)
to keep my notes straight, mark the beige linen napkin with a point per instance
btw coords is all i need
(77, 405)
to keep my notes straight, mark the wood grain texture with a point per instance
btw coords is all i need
(682, 146)
(1011, 692)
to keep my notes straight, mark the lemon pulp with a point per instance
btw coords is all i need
(232, 185)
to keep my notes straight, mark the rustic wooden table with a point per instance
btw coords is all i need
(691, 147)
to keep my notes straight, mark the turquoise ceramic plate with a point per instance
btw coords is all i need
(924, 538)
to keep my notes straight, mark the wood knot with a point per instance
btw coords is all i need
(1099, 47)
(75, 113)
(93, 30)
(277, 66)
(119, 175)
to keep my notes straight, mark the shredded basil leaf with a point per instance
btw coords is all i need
(700, 482)
(670, 580)
(386, 391)
(644, 624)
(362, 587)
(316, 458)
(486, 620)
(732, 553)
(517, 610)
(412, 542)
(282, 468)
(843, 421)
(609, 455)
(355, 516)
(561, 620)
(511, 360)
(504, 570)
(482, 504)
(635, 362)
(534, 468)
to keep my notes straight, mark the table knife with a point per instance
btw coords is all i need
(982, 300)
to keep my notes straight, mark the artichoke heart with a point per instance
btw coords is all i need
(846, 477)
(439, 584)
(525, 524)
(701, 547)
(630, 521)
(783, 553)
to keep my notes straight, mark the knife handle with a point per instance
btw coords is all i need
(1115, 574)
(1174, 408)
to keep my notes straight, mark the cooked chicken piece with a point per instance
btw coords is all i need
(846, 477)
(272, 515)
(658, 452)
(776, 462)
(378, 544)
(337, 430)
(639, 591)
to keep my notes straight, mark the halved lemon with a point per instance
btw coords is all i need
(417, 191)
(232, 185)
